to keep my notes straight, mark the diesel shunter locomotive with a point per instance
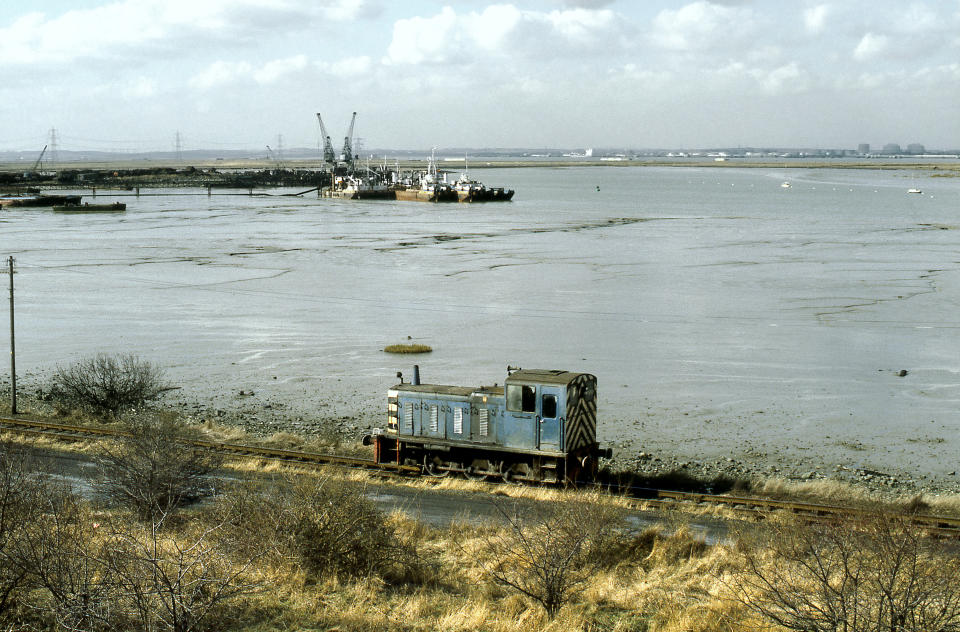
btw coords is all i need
(539, 427)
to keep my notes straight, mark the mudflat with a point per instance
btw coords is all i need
(735, 325)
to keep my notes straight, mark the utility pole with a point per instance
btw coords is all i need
(13, 353)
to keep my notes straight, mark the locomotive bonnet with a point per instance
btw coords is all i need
(540, 426)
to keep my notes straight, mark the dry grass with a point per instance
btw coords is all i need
(835, 492)
(408, 348)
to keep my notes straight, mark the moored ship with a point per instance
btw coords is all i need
(473, 191)
(356, 187)
(352, 182)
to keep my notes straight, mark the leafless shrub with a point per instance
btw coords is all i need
(170, 582)
(154, 470)
(323, 525)
(549, 553)
(57, 552)
(21, 494)
(880, 574)
(108, 384)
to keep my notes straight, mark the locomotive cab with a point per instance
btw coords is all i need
(539, 427)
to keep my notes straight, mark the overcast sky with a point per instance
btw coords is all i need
(130, 74)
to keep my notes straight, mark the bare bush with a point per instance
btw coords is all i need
(21, 493)
(326, 526)
(154, 470)
(173, 582)
(58, 553)
(880, 574)
(549, 553)
(108, 384)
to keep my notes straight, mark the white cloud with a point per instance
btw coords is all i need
(220, 73)
(871, 45)
(417, 40)
(351, 67)
(141, 88)
(503, 31)
(119, 30)
(702, 26)
(274, 70)
(788, 79)
(815, 18)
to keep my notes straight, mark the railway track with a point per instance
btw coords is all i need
(941, 526)
(69, 432)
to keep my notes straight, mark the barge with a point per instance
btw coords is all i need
(38, 200)
(116, 207)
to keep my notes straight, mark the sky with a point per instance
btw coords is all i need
(131, 75)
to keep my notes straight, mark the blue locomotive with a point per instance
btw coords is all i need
(539, 427)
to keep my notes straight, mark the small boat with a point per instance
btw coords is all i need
(914, 191)
(116, 207)
(785, 185)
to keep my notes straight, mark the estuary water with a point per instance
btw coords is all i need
(722, 312)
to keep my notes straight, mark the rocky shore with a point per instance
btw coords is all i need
(339, 417)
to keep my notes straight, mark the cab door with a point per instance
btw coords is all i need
(549, 419)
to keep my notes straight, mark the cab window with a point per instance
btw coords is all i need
(521, 398)
(548, 407)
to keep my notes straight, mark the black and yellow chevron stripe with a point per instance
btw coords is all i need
(581, 423)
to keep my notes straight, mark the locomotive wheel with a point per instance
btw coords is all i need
(508, 474)
(431, 467)
(475, 470)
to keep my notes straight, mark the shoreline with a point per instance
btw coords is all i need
(264, 414)
(948, 167)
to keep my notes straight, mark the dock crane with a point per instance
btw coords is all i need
(36, 165)
(328, 154)
(275, 158)
(347, 155)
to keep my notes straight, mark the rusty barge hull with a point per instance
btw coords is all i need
(420, 195)
(116, 207)
(349, 194)
(487, 195)
(39, 200)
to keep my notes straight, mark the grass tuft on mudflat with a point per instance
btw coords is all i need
(408, 348)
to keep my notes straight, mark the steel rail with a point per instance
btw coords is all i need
(665, 499)
(67, 432)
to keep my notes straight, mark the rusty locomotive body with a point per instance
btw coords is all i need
(539, 427)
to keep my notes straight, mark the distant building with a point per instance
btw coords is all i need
(892, 148)
(863, 148)
(916, 149)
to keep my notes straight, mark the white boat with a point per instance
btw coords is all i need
(785, 185)
(357, 187)
(914, 191)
